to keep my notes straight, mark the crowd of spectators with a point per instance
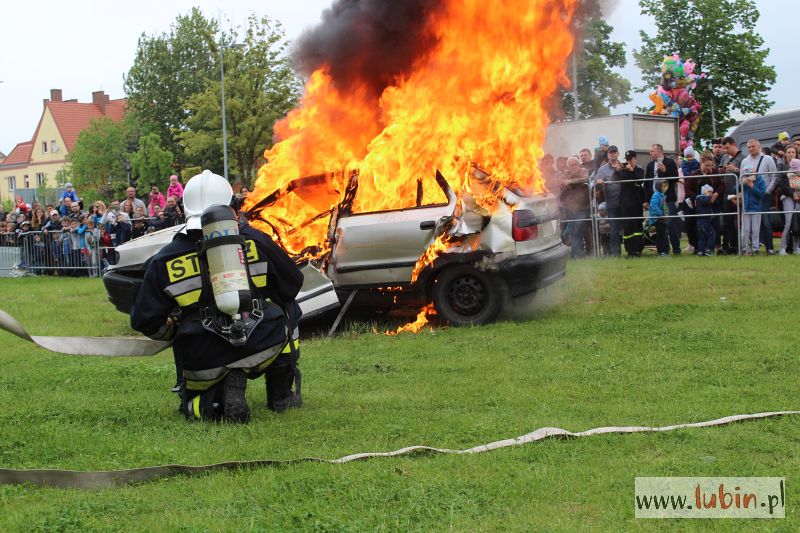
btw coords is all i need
(69, 238)
(722, 199)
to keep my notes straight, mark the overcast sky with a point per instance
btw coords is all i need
(82, 46)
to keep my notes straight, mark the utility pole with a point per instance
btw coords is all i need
(224, 124)
(713, 114)
(575, 100)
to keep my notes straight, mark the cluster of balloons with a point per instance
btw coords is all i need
(674, 96)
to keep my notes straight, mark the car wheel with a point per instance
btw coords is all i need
(465, 296)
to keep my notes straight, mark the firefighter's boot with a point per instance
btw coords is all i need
(234, 403)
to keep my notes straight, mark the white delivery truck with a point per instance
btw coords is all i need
(627, 132)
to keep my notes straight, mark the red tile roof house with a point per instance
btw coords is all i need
(35, 163)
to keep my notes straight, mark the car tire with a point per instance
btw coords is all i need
(464, 296)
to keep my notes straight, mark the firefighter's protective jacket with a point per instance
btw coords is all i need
(173, 280)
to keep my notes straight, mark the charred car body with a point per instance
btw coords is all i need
(385, 259)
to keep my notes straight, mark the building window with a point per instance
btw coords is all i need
(53, 147)
(44, 147)
(40, 179)
(27, 182)
(12, 183)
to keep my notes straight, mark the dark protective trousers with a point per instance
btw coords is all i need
(615, 237)
(730, 233)
(674, 228)
(632, 230)
(662, 242)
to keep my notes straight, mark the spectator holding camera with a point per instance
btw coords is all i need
(172, 213)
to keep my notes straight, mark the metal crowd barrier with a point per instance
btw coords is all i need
(594, 218)
(51, 253)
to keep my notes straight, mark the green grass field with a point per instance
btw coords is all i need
(648, 342)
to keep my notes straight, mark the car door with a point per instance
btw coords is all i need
(317, 294)
(382, 248)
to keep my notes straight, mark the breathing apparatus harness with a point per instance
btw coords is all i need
(229, 309)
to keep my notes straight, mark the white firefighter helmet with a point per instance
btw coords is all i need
(203, 191)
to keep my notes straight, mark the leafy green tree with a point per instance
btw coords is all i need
(150, 164)
(98, 158)
(260, 88)
(720, 36)
(168, 69)
(599, 88)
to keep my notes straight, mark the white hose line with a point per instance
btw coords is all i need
(104, 346)
(114, 478)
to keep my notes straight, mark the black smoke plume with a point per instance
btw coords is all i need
(367, 42)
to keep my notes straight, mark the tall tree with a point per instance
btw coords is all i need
(260, 88)
(599, 87)
(721, 37)
(97, 161)
(168, 69)
(151, 165)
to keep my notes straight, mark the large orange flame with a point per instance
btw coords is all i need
(478, 98)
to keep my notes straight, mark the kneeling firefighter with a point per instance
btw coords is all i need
(226, 294)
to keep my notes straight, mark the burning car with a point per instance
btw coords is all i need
(437, 112)
(446, 250)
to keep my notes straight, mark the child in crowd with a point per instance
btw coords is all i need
(76, 257)
(89, 250)
(69, 192)
(106, 246)
(658, 209)
(39, 253)
(139, 228)
(175, 188)
(156, 199)
(604, 228)
(706, 235)
(66, 248)
(690, 164)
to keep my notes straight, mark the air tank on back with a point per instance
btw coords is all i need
(226, 261)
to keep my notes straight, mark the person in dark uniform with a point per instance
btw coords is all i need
(632, 200)
(218, 354)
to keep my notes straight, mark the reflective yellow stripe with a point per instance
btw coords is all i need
(189, 298)
(196, 406)
(262, 366)
(202, 385)
(260, 280)
(288, 348)
(631, 235)
(252, 251)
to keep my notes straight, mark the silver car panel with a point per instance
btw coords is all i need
(382, 247)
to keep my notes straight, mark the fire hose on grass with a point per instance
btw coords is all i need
(131, 347)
